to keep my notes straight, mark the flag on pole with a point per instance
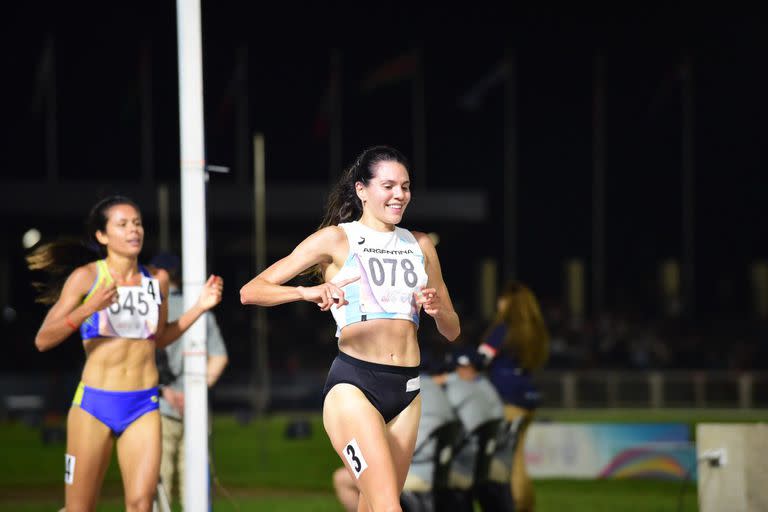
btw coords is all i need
(473, 98)
(321, 125)
(393, 71)
(225, 109)
(44, 77)
(668, 88)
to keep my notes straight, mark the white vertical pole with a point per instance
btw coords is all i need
(260, 354)
(193, 234)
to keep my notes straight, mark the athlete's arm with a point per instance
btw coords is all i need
(215, 368)
(435, 298)
(267, 288)
(66, 315)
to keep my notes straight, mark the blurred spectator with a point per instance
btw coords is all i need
(516, 344)
(170, 364)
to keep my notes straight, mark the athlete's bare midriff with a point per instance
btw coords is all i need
(120, 364)
(382, 341)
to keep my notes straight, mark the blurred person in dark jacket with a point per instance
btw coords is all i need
(515, 345)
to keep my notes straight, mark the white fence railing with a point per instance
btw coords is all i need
(35, 393)
(653, 389)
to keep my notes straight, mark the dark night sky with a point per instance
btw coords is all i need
(98, 58)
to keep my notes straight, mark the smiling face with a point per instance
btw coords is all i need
(123, 233)
(386, 195)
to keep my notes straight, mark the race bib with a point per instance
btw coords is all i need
(135, 313)
(389, 282)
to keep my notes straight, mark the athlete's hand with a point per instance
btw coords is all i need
(429, 300)
(104, 296)
(211, 293)
(327, 294)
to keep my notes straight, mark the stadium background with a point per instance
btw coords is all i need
(91, 107)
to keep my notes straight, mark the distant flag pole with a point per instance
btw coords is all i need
(242, 126)
(145, 99)
(44, 100)
(260, 377)
(598, 186)
(393, 71)
(688, 184)
(335, 115)
(474, 97)
(409, 65)
(418, 116)
(193, 236)
(510, 166)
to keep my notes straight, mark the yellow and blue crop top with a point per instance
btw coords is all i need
(135, 314)
(391, 268)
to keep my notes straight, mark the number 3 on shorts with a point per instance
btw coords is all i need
(355, 458)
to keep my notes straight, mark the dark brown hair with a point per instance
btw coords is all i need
(59, 258)
(343, 204)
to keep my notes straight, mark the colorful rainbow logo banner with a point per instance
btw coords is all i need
(608, 450)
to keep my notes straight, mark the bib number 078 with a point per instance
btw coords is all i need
(377, 269)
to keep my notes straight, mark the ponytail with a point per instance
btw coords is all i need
(343, 204)
(58, 259)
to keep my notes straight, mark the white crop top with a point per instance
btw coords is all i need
(391, 268)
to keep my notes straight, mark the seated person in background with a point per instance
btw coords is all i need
(476, 402)
(436, 411)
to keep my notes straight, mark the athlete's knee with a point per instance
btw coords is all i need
(384, 505)
(389, 507)
(77, 507)
(142, 503)
(341, 478)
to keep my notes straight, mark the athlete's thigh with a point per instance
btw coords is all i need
(89, 450)
(138, 452)
(170, 448)
(401, 434)
(358, 434)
